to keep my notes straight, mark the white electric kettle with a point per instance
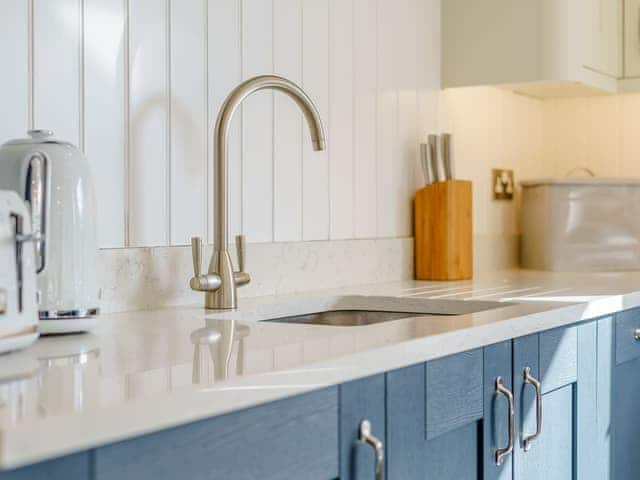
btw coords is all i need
(54, 178)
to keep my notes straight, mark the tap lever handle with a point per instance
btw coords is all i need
(241, 247)
(196, 253)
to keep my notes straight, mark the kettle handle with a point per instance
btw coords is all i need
(36, 195)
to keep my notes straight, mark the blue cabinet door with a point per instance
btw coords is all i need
(434, 419)
(626, 403)
(565, 362)
(549, 455)
(497, 365)
(358, 401)
(625, 393)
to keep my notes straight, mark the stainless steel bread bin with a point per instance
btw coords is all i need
(581, 225)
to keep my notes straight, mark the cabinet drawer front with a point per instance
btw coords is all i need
(74, 467)
(558, 358)
(627, 347)
(292, 438)
(453, 392)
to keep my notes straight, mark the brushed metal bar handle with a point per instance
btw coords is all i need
(37, 174)
(502, 453)
(531, 380)
(367, 437)
(636, 334)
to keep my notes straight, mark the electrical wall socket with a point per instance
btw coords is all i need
(503, 184)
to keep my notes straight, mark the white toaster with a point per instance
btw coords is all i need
(18, 302)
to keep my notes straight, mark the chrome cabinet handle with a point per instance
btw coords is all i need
(37, 172)
(531, 380)
(636, 334)
(367, 437)
(502, 453)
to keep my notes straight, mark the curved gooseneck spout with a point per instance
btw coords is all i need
(221, 136)
(221, 282)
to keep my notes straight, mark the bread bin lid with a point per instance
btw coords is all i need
(584, 182)
(38, 137)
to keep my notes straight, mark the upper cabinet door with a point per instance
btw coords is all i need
(542, 48)
(632, 38)
(603, 24)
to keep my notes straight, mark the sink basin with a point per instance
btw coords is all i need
(353, 311)
(346, 318)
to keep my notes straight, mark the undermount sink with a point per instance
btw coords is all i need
(353, 311)
(346, 318)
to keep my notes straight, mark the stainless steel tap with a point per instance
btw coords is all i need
(221, 282)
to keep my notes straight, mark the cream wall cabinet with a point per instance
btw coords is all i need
(543, 48)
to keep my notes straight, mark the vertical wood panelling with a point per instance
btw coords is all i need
(188, 119)
(148, 164)
(257, 123)
(225, 72)
(315, 79)
(389, 161)
(57, 67)
(427, 16)
(139, 85)
(365, 111)
(14, 81)
(341, 118)
(104, 114)
(407, 81)
(287, 126)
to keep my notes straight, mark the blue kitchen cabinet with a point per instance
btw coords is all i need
(444, 419)
(545, 377)
(625, 394)
(434, 419)
(292, 438)
(361, 400)
(467, 416)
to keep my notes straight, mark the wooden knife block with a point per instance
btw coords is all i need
(443, 229)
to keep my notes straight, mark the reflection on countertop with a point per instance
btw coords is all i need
(143, 371)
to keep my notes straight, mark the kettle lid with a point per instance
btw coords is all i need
(37, 137)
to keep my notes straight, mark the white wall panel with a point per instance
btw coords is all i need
(104, 118)
(57, 68)
(257, 123)
(225, 72)
(140, 82)
(149, 195)
(389, 153)
(315, 80)
(287, 126)
(407, 81)
(341, 118)
(365, 64)
(188, 120)
(14, 80)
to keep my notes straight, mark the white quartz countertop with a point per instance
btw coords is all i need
(141, 372)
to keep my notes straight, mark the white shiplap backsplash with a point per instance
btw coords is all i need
(136, 83)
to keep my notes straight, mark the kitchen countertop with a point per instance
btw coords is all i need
(141, 372)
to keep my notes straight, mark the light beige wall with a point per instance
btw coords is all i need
(599, 133)
(493, 128)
